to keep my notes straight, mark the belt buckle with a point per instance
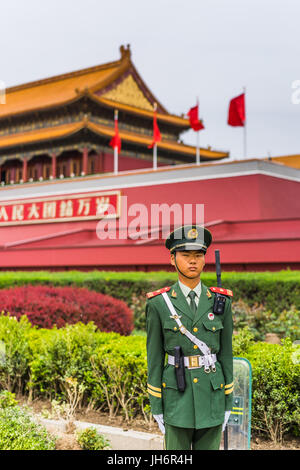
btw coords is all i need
(193, 362)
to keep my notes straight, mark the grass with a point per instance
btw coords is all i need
(65, 277)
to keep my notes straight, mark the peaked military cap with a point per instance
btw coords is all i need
(189, 237)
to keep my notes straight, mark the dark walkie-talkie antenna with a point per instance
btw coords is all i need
(218, 268)
(219, 284)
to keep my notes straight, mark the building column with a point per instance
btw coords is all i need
(40, 170)
(99, 162)
(85, 153)
(13, 174)
(24, 175)
(53, 156)
(70, 166)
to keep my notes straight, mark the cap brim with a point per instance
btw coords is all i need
(189, 247)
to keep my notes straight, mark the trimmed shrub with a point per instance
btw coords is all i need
(46, 306)
(90, 439)
(15, 364)
(276, 384)
(277, 291)
(113, 371)
(7, 399)
(261, 321)
(274, 297)
(19, 432)
(58, 354)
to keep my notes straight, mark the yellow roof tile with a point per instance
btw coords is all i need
(47, 93)
(39, 135)
(288, 160)
(65, 130)
(62, 89)
(171, 118)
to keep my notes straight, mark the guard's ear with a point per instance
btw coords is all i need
(172, 259)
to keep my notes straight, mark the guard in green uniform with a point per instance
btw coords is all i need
(189, 349)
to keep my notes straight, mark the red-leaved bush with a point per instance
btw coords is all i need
(46, 306)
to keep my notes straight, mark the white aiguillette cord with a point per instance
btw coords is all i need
(202, 346)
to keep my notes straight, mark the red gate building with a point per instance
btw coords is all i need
(58, 194)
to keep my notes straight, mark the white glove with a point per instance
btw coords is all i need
(226, 418)
(160, 422)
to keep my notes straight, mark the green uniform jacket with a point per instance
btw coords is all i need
(207, 395)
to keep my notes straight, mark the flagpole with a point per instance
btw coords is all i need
(198, 149)
(155, 156)
(155, 147)
(116, 149)
(116, 160)
(245, 127)
(198, 141)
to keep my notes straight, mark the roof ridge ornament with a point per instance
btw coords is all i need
(125, 52)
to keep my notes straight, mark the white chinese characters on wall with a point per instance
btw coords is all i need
(61, 208)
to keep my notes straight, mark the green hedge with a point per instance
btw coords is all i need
(275, 384)
(266, 302)
(112, 371)
(276, 290)
(18, 431)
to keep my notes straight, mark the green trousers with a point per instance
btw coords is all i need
(192, 439)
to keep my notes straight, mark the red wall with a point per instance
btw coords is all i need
(262, 244)
(125, 163)
(237, 198)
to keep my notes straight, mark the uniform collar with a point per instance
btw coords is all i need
(186, 290)
(179, 301)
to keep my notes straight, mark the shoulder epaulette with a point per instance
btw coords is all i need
(220, 290)
(156, 292)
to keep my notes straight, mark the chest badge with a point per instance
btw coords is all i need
(210, 316)
(208, 294)
(175, 317)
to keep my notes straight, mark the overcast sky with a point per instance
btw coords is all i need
(182, 49)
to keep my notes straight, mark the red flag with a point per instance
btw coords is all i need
(195, 124)
(156, 132)
(236, 112)
(116, 140)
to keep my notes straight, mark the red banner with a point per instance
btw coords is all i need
(156, 132)
(63, 208)
(195, 124)
(236, 112)
(116, 140)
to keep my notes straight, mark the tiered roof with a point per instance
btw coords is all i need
(115, 85)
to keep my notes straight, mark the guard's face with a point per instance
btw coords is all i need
(190, 263)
